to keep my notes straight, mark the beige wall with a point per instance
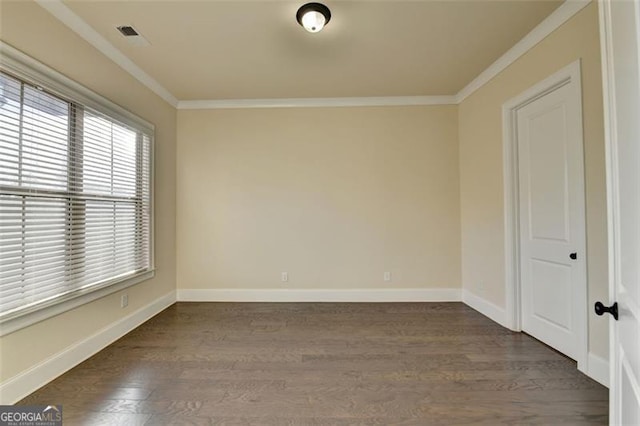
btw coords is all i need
(334, 196)
(481, 179)
(29, 28)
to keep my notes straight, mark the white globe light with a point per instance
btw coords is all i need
(313, 21)
(313, 17)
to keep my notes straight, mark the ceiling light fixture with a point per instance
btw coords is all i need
(313, 16)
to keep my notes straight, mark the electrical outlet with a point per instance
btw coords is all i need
(387, 276)
(124, 300)
(284, 277)
(481, 287)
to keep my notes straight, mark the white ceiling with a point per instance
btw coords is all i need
(246, 49)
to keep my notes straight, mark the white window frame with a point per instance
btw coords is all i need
(32, 71)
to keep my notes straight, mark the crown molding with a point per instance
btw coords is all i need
(551, 23)
(561, 15)
(318, 102)
(59, 10)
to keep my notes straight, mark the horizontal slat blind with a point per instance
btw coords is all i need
(75, 198)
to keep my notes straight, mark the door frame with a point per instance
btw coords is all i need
(611, 170)
(513, 286)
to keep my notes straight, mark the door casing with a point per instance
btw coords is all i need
(567, 75)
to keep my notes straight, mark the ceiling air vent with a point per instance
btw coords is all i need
(132, 35)
(128, 31)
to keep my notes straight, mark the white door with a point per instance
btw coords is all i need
(552, 219)
(620, 31)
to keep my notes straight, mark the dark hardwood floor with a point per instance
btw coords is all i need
(325, 364)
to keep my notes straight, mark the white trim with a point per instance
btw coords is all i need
(567, 75)
(318, 102)
(598, 369)
(561, 15)
(511, 215)
(16, 388)
(41, 313)
(486, 308)
(58, 9)
(321, 295)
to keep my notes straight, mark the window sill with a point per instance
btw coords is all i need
(11, 325)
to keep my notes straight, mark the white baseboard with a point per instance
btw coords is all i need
(16, 388)
(321, 295)
(27, 382)
(486, 308)
(598, 369)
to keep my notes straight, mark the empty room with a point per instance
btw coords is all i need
(270, 212)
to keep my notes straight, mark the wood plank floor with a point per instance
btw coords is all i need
(325, 364)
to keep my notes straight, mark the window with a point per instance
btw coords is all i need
(75, 197)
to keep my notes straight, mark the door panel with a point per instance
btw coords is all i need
(551, 287)
(548, 187)
(551, 202)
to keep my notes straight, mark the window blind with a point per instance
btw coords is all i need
(75, 198)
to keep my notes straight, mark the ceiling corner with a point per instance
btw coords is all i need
(59, 10)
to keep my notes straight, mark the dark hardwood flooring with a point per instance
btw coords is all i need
(325, 364)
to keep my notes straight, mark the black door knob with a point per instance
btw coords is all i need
(573, 256)
(613, 309)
